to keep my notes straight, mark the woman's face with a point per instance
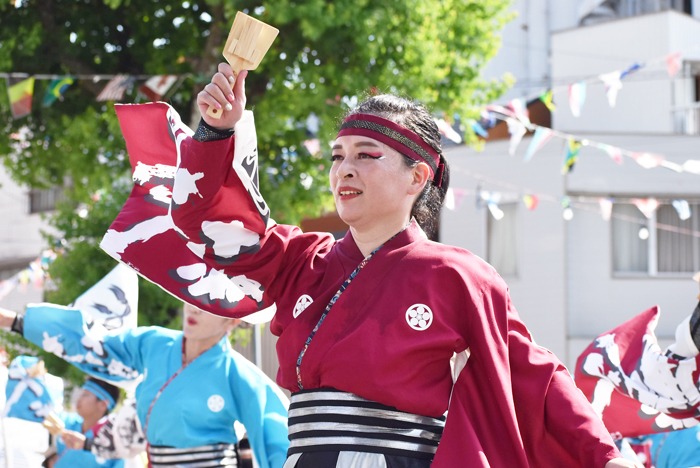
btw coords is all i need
(200, 325)
(371, 183)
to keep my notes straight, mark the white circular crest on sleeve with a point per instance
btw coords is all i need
(419, 317)
(216, 403)
(302, 303)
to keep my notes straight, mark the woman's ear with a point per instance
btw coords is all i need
(420, 176)
(232, 324)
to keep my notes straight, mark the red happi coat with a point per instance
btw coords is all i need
(512, 405)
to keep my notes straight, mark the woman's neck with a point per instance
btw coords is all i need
(194, 348)
(368, 239)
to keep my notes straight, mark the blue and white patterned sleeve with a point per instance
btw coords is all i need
(73, 336)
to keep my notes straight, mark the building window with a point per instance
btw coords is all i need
(41, 200)
(656, 246)
(502, 248)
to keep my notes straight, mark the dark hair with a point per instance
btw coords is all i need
(107, 387)
(415, 117)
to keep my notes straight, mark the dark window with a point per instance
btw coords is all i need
(688, 6)
(44, 200)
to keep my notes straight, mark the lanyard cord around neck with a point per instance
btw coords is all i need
(344, 286)
(184, 365)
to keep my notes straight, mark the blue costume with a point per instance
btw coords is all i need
(31, 398)
(675, 449)
(179, 407)
(69, 458)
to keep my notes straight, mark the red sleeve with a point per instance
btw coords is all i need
(558, 424)
(195, 222)
(514, 403)
(223, 214)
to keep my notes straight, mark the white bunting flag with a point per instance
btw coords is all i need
(516, 130)
(647, 206)
(613, 85)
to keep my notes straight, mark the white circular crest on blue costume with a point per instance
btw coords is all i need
(216, 403)
(302, 303)
(419, 317)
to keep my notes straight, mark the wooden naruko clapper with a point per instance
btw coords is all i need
(247, 43)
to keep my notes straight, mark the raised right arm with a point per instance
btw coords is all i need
(195, 222)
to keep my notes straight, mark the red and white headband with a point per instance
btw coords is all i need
(397, 137)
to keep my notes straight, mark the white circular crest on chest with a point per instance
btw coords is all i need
(419, 317)
(302, 303)
(216, 403)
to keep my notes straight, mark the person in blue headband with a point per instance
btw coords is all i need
(97, 398)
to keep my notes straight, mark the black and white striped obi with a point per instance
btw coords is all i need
(329, 428)
(205, 456)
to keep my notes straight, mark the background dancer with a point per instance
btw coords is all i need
(194, 385)
(97, 398)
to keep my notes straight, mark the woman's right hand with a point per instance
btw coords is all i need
(6, 318)
(73, 440)
(218, 93)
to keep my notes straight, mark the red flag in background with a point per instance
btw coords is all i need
(21, 96)
(155, 88)
(633, 385)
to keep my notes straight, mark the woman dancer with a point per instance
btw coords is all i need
(379, 333)
(194, 385)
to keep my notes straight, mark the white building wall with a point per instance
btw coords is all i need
(539, 289)
(20, 239)
(524, 51)
(648, 97)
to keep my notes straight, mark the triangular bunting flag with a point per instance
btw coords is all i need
(453, 198)
(571, 155)
(546, 98)
(501, 110)
(531, 201)
(541, 136)
(21, 97)
(520, 110)
(613, 85)
(577, 97)
(631, 69)
(458, 195)
(488, 118)
(683, 208)
(613, 152)
(155, 87)
(647, 205)
(492, 199)
(606, 206)
(478, 129)
(516, 130)
(446, 129)
(648, 160)
(692, 166)
(115, 89)
(55, 89)
(673, 64)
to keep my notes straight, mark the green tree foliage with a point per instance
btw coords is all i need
(327, 55)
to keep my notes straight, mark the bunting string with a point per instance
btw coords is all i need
(644, 159)
(580, 202)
